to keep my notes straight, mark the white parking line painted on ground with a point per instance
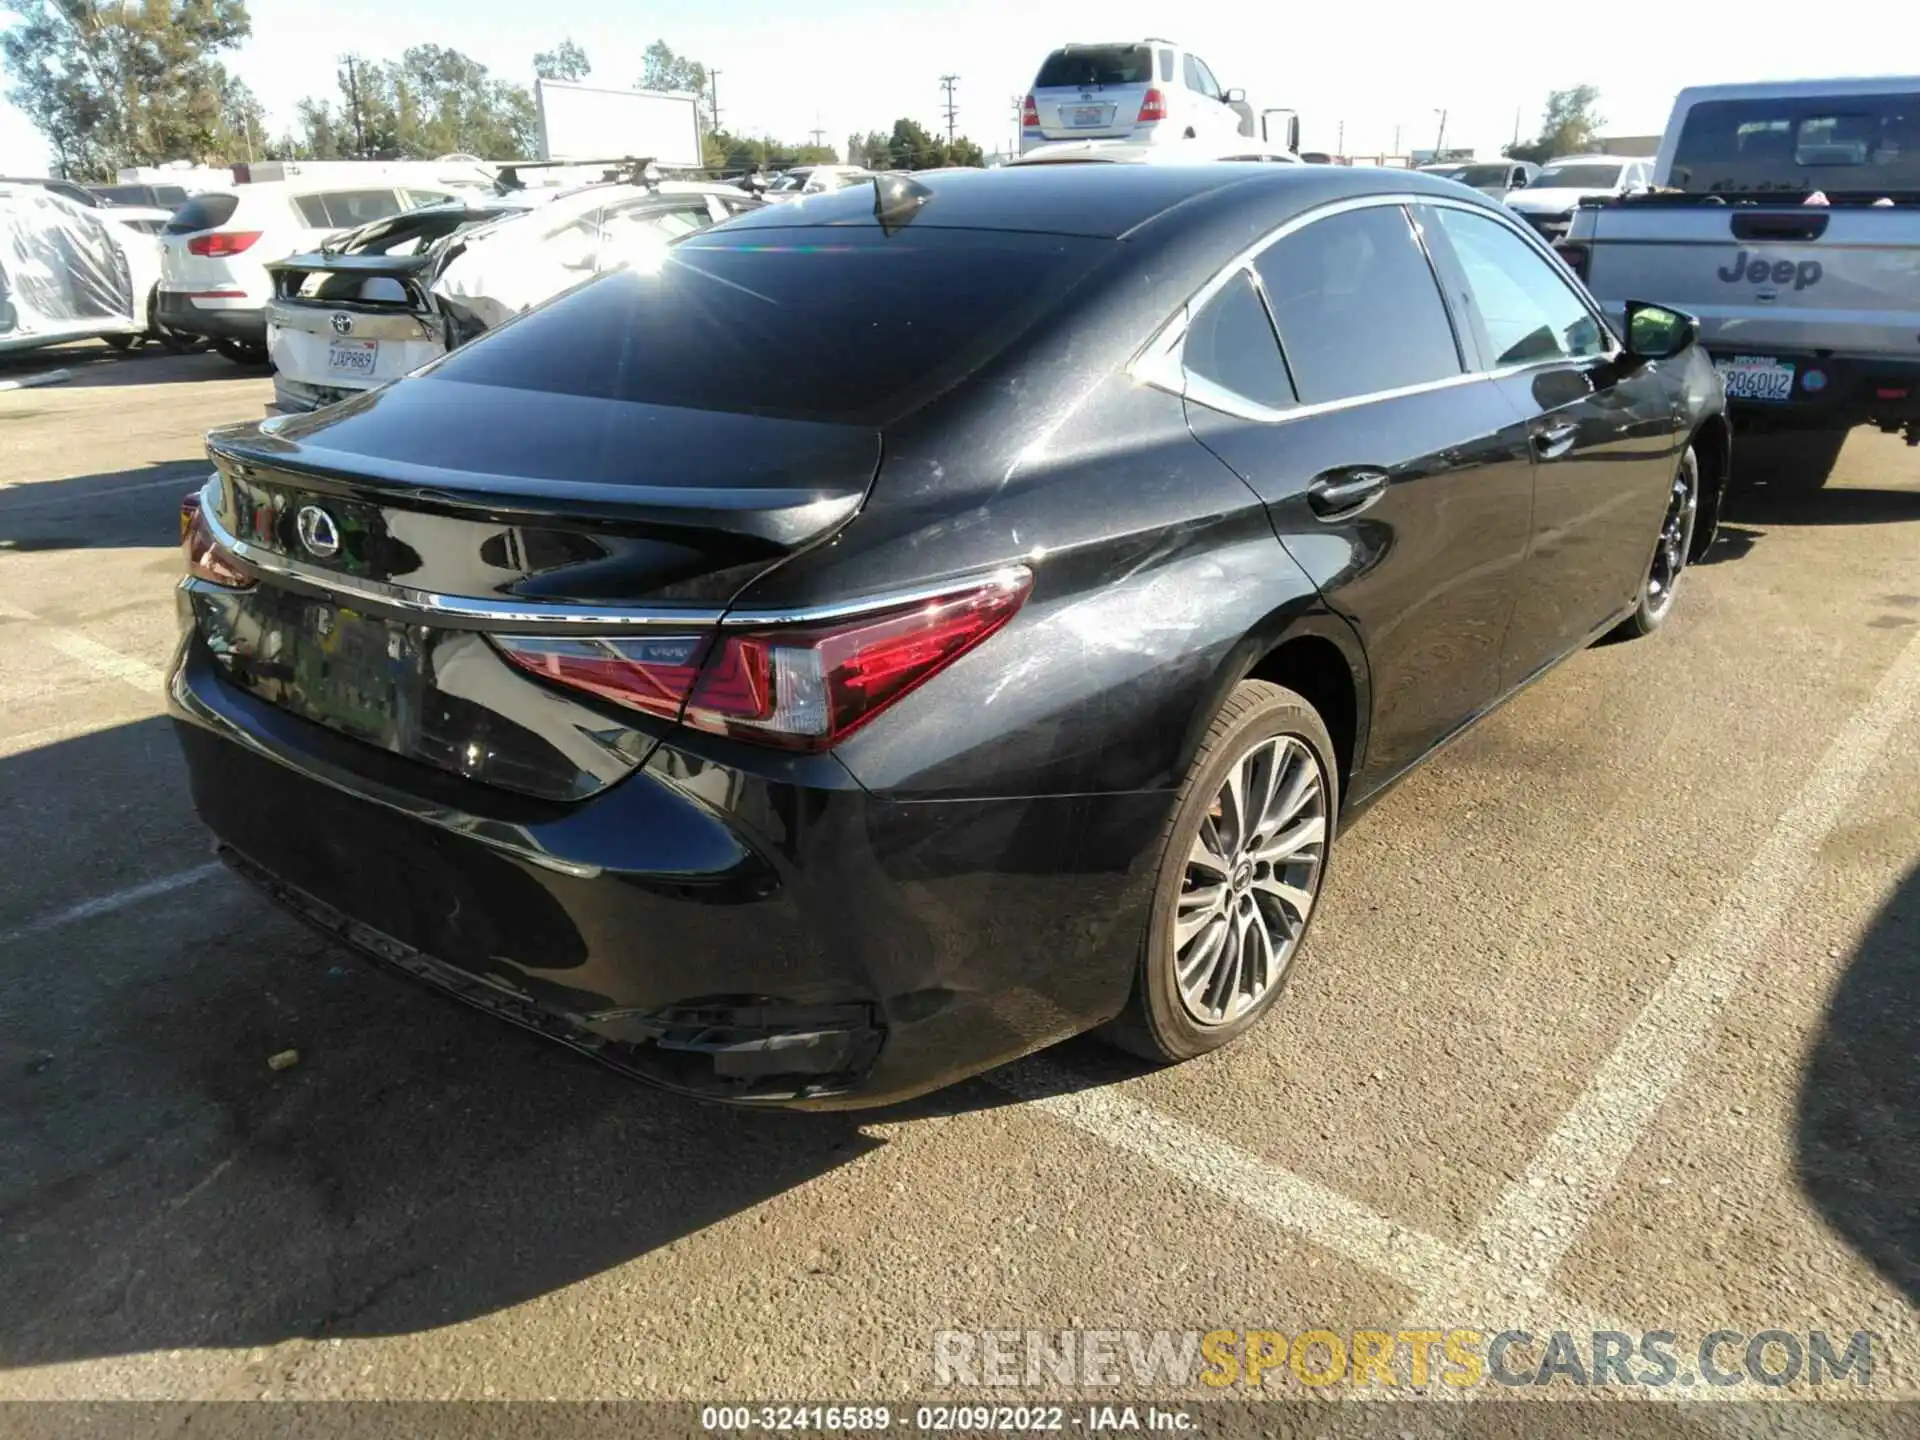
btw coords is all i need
(107, 662)
(1189, 1153)
(118, 900)
(1574, 1172)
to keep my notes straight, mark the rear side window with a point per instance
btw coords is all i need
(1085, 66)
(1230, 344)
(1166, 67)
(203, 212)
(815, 323)
(1358, 308)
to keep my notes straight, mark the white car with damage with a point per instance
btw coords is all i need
(389, 297)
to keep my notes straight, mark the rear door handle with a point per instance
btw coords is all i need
(1343, 492)
(1550, 442)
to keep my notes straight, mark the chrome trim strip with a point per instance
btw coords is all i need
(1161, 363)
(1006, 577)
(573, 617)
(471, 608)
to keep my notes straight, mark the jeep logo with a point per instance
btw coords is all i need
(1758, 270)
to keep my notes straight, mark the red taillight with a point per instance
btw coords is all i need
(802, 687)
(222, 242)
(1029, 115)
(205, 559)
(1890, 392)
(1153, 107)
(1574, 255)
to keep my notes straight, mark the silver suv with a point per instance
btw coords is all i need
(1148, 91)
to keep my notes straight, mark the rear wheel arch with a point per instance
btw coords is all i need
(1315, 654)
(1712, 445)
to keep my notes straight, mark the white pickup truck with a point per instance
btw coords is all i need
(1787, 218)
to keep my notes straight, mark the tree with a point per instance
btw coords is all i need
(137, 84)
(664, 70)
(566, 61)
(1568, 126)
(431, 101)
(965, 152)
(912, 148)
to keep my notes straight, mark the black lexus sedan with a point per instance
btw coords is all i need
(910, 625)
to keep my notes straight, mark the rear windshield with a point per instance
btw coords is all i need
(1086, 66)
(1578, 177)
(121, 194)
(819, 324)
(344, 209)
(1797, 143)
(203, 212)
(1484, 175)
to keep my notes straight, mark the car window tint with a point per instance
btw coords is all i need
(815, 323)
(1230, 343)
(1085, 66)
(1357, 306)
(1190, 72)
(356, 207)
(1526, 312)
(203, 212)
(1208, 85)
(1166, 66)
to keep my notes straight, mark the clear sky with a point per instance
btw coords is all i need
(1378, 69)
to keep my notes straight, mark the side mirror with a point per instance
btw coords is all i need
(1655, 332)
(1236, 96)
(1519, 182)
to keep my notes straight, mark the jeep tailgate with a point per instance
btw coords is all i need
(1842, 279)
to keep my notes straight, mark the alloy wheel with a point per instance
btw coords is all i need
(1252, 876)
(1676, 538)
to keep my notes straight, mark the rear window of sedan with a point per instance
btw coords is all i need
(1088, 65)
(821, 323)
(203, 212)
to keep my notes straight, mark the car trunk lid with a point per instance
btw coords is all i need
(391, 533)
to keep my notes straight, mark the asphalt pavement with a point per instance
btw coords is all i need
(1609, 1022)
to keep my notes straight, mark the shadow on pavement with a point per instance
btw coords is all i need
(420, 1165)
(136, 508)
(94, 364)
(1858, 1141)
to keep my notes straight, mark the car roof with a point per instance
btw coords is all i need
(1600, 160)
(1106, 201)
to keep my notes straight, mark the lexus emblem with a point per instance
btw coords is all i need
(342, 324)
(318, 534)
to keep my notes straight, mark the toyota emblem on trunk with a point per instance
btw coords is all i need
(318, 533)
(342, 324)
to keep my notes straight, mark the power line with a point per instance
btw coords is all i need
(947, 82)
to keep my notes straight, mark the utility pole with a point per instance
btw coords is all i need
(1440, 140)
(1396, 139)
(947, 83)
(818, 136)
(353, 97)
(713, 99)
(1516, 125)
(1340, 145)
(1019, 122)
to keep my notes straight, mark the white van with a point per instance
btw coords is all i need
(216, 248)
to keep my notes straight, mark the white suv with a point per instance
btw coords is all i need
(215, 250)
(1143, 90)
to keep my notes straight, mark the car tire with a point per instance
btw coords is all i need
(1671, 551)
(241, 352)
(1188, 998)
(121, 343)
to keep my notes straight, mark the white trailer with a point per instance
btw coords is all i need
(581, 122)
